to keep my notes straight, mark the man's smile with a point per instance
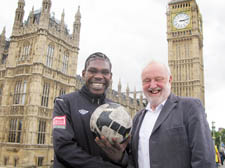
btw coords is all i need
(97, 85)
(154, 90)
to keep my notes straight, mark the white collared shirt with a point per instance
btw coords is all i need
(145, 133)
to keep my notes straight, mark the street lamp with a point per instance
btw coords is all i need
(213, 131)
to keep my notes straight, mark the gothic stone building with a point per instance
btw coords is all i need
(38, 63)
(185, 44)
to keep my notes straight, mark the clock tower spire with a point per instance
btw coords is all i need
(185, 44)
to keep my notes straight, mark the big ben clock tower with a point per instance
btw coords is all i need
(185, 43)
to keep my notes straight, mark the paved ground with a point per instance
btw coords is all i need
(222, 166)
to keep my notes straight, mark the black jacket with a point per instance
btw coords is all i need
(73, 142)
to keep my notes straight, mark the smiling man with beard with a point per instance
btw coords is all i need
(172, 131)
(74, 143)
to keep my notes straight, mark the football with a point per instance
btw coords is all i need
(111, 120)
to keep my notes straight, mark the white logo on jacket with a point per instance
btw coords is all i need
(83, 112)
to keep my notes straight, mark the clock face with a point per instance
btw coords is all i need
(181, 20)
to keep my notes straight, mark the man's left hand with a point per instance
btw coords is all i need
(113, 150)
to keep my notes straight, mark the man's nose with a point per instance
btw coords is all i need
(153, 84)
(98, 75)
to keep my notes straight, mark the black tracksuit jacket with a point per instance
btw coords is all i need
(73, 142)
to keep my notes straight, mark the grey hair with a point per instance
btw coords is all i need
(159, 62)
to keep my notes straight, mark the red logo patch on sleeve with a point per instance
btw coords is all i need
(59, 122)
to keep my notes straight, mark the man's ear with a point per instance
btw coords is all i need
(170, 79)
(111, 76)
(83, 73)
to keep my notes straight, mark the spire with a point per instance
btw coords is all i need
(135, 97)
(110, 84)
(62, 16)
(76, 27)
(141, 99)
(127, 91)
(45, 14)
(31, 16)
(78, 15)
(62, 21)
(109, 90)
(119, 86)
(46, 6)
(135, 94)
(2, 43)
(77, 19)
(2, 37)
(20, 11)
(18, 20)
(3, 32)
(21, 2)
(119, 92)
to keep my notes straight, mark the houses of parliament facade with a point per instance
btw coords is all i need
(39, 62)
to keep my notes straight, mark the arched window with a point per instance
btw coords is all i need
(19, 96)
(65, 62)
(45, 95)
(25, 51)
(50, 53)
(15, 130)
(41, 132)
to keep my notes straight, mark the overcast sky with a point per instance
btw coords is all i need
(132, 32)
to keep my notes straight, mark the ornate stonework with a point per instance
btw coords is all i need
(185, 44)
(177, 1)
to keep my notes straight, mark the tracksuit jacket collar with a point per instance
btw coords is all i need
(95, 99)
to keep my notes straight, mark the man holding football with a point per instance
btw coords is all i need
(75, 146)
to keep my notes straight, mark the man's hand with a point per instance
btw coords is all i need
(115, 150)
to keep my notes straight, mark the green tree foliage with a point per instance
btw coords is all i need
(219, 137)
(217, 140)
(222, 132)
